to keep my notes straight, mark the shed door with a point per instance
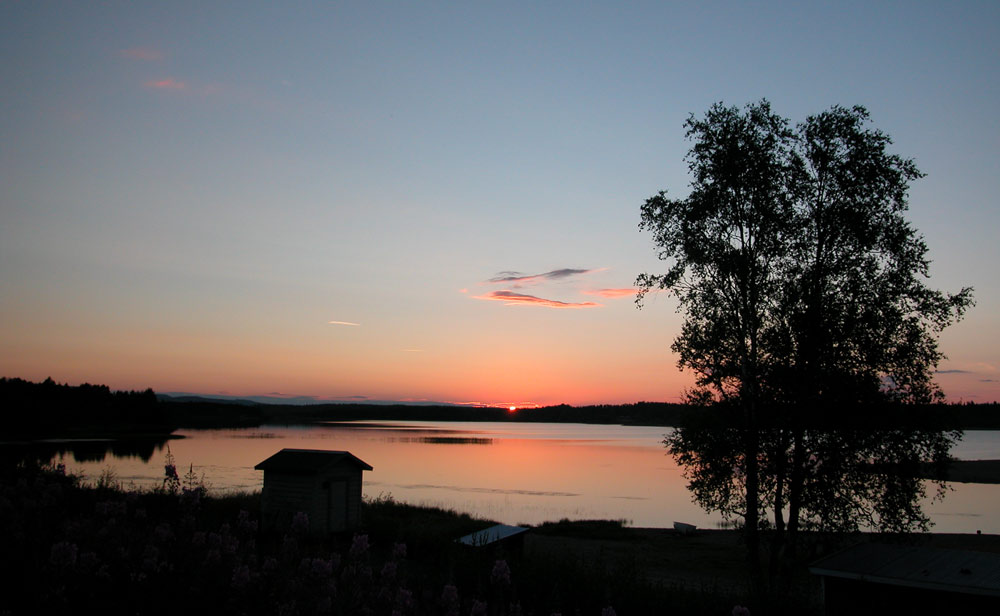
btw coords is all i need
(336, 504)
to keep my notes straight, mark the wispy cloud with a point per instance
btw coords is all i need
(613, 293)
(511, 298)
(518, 277)
(166, 84)
(988, 381)
(953, 372)
(141, 53)
(343, 323)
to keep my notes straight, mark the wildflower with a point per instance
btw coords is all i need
(334, 560)
(171, 480)
(501, 575)
(300, 523)
(739, 610)
(399, 551)
(449, 597)
(608, 611)
(150, 564)
(404, 599)
(162, 532)
(478, 608)
(359, 547)
(198, 538)
(270, 565)
(389, 571)
(245, 524)
(63, 554)
(241, 577)
(321, 568)
(88, 561)
(449, 594)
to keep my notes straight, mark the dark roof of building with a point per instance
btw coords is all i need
(961, 571)
(492, 534)
(310, 461)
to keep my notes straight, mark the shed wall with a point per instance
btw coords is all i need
(285, 494)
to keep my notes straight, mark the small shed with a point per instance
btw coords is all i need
(878, 578)
(325, 485)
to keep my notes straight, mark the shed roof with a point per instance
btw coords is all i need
(960, 571)
(310, 461)
(492, 534)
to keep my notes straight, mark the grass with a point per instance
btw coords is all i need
(590, 529)
(166, 551)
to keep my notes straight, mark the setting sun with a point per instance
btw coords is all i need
(512, 408)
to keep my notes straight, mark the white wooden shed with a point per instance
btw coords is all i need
(325, 485)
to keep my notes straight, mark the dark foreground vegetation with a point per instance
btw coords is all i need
(178, 549)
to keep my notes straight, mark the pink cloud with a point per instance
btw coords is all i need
(167, 84)
(141, 53)
(613, 293)
(511, 298)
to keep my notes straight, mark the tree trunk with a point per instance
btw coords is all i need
(778, 536)
(795, 489)
(752, 520)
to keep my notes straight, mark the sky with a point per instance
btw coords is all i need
(434, 201)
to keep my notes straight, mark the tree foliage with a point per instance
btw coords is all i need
(803, 289)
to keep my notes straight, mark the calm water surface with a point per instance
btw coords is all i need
(511, 472)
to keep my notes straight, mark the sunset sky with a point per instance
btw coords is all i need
(433, 201)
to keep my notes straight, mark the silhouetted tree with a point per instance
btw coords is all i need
(802, 287)
(727, 241)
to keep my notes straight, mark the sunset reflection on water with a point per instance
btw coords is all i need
(510, 472)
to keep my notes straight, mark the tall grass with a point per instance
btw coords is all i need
(169, 551)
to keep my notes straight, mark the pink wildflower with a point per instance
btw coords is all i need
(359, 547)
(501, 574)
(478, 609)
(300, 523)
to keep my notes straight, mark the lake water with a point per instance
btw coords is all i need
(510, 472)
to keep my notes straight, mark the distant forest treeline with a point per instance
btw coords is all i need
(203, 412)
(50, 409)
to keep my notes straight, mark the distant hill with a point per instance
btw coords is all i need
(172, 396)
